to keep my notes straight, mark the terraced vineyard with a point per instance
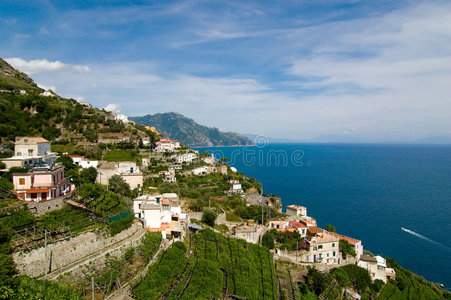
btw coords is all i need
(212, 266)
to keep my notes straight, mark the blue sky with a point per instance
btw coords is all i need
(328, 71)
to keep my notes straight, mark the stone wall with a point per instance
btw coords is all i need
(58, 255)
(221, 219)
(40, 208)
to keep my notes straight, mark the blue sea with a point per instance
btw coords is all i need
(368, 192)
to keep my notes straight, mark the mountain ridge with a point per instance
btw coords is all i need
(190, 133)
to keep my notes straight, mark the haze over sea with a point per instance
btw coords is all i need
(368, 192)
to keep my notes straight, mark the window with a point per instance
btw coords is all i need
(30, 152)
(333, 254)
(314, 248)
(333, 244)
(320, 247)
(21, 181)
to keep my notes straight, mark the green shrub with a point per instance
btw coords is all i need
(209, 217)
(118, 226)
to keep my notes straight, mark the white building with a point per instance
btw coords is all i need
(296, 210)
(324, 248)
(89, 163)
(355, 244)
(204, 170)
(128, 170)
(30, 151)
(157, 213)
(377, 267)
(122, 118)
(235, 186)
(167, 145)
(185, 158)
(47, 93)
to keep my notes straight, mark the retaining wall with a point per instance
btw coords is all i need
(56, 256)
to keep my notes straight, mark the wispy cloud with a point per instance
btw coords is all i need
(377, 75)
(113, 107)
(43, 65)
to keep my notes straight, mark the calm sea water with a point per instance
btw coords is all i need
(367, 192)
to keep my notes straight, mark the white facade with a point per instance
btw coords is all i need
(235, 186)
(30, 151)
(201, 170)
(324, 249)
(376, 266)
(167, 145)
(89, 163)
(47, 93)
(155, 212)
(122, 118)
(31, 146)
(185, 158)
(296, 210)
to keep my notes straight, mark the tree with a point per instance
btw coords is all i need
(88, 175)
(330, 228)
(268, 240)
(118, 185)
(209, 217)
(67, 162)
(346, 248)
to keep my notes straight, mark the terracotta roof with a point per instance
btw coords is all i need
(308, 223)
(166, 202)
(297, 224)
(342, 237)
(291, 229)
(324, 239)
(314, 230)
(74, 155)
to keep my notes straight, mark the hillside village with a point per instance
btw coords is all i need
(91, 207)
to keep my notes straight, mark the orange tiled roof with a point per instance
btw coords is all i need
(297, 224)
(342, 237)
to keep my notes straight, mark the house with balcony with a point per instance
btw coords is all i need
(30, 152)
(41, 184)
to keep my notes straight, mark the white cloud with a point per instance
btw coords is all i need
(383, 78)
(45, 87)
(43, 65)
(112, 107)
(44, 31)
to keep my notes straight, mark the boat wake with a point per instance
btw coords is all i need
(421, 236)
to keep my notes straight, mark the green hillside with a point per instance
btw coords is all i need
(190, 133)
(24, 112)
(211, 266)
